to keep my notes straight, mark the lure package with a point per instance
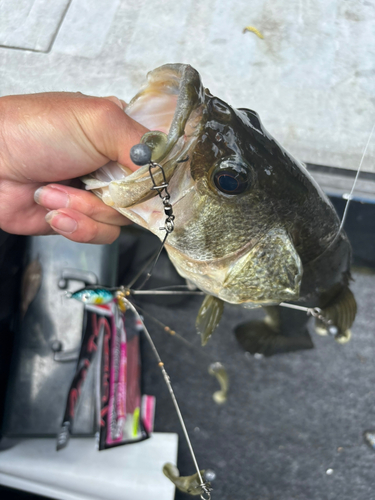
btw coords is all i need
(121, 418)
(111, 336)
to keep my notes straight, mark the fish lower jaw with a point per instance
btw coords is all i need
(266, 301)
(246, 296)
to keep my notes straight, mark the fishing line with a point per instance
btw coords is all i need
(143, 269)
(155, 259)
(316, 311)
(350, 195)
(162, 190)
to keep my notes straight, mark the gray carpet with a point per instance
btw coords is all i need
(288, 419)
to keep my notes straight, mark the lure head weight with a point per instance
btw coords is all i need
(140, 154)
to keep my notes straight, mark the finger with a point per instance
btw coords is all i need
(120, 103)
(64, 135)
(18, 212)
(80, 228)
(35, 225)
(111, 131)
(55, 196)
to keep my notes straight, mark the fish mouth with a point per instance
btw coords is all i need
(170, 103)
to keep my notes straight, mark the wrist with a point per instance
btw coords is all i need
(5, 146)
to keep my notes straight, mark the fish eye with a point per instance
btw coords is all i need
(232, 177)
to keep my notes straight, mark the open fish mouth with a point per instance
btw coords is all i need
(171, 105)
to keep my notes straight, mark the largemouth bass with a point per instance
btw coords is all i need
(252, 227)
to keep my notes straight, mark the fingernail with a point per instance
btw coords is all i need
(51, 197)
(61, 222)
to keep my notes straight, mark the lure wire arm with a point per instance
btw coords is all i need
(169, 223)
(166, 292)
(162, 190)
(148, 275)
(168, 210)
(206, 491)
(315, 312)
(206, 495)
(143, 269)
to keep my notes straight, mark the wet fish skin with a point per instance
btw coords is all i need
(283, 210)
(272, 238)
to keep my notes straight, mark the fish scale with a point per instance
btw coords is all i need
(251, 225)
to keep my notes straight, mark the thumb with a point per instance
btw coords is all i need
(111, 131)
(51, 137)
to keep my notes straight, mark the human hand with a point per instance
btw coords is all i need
(58, 137)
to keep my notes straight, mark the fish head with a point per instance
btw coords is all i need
(230, 238)
(228, 180)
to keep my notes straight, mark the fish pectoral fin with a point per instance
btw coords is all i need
(271, 272)
(208, 317)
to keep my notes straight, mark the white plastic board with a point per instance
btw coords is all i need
(80, 472)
